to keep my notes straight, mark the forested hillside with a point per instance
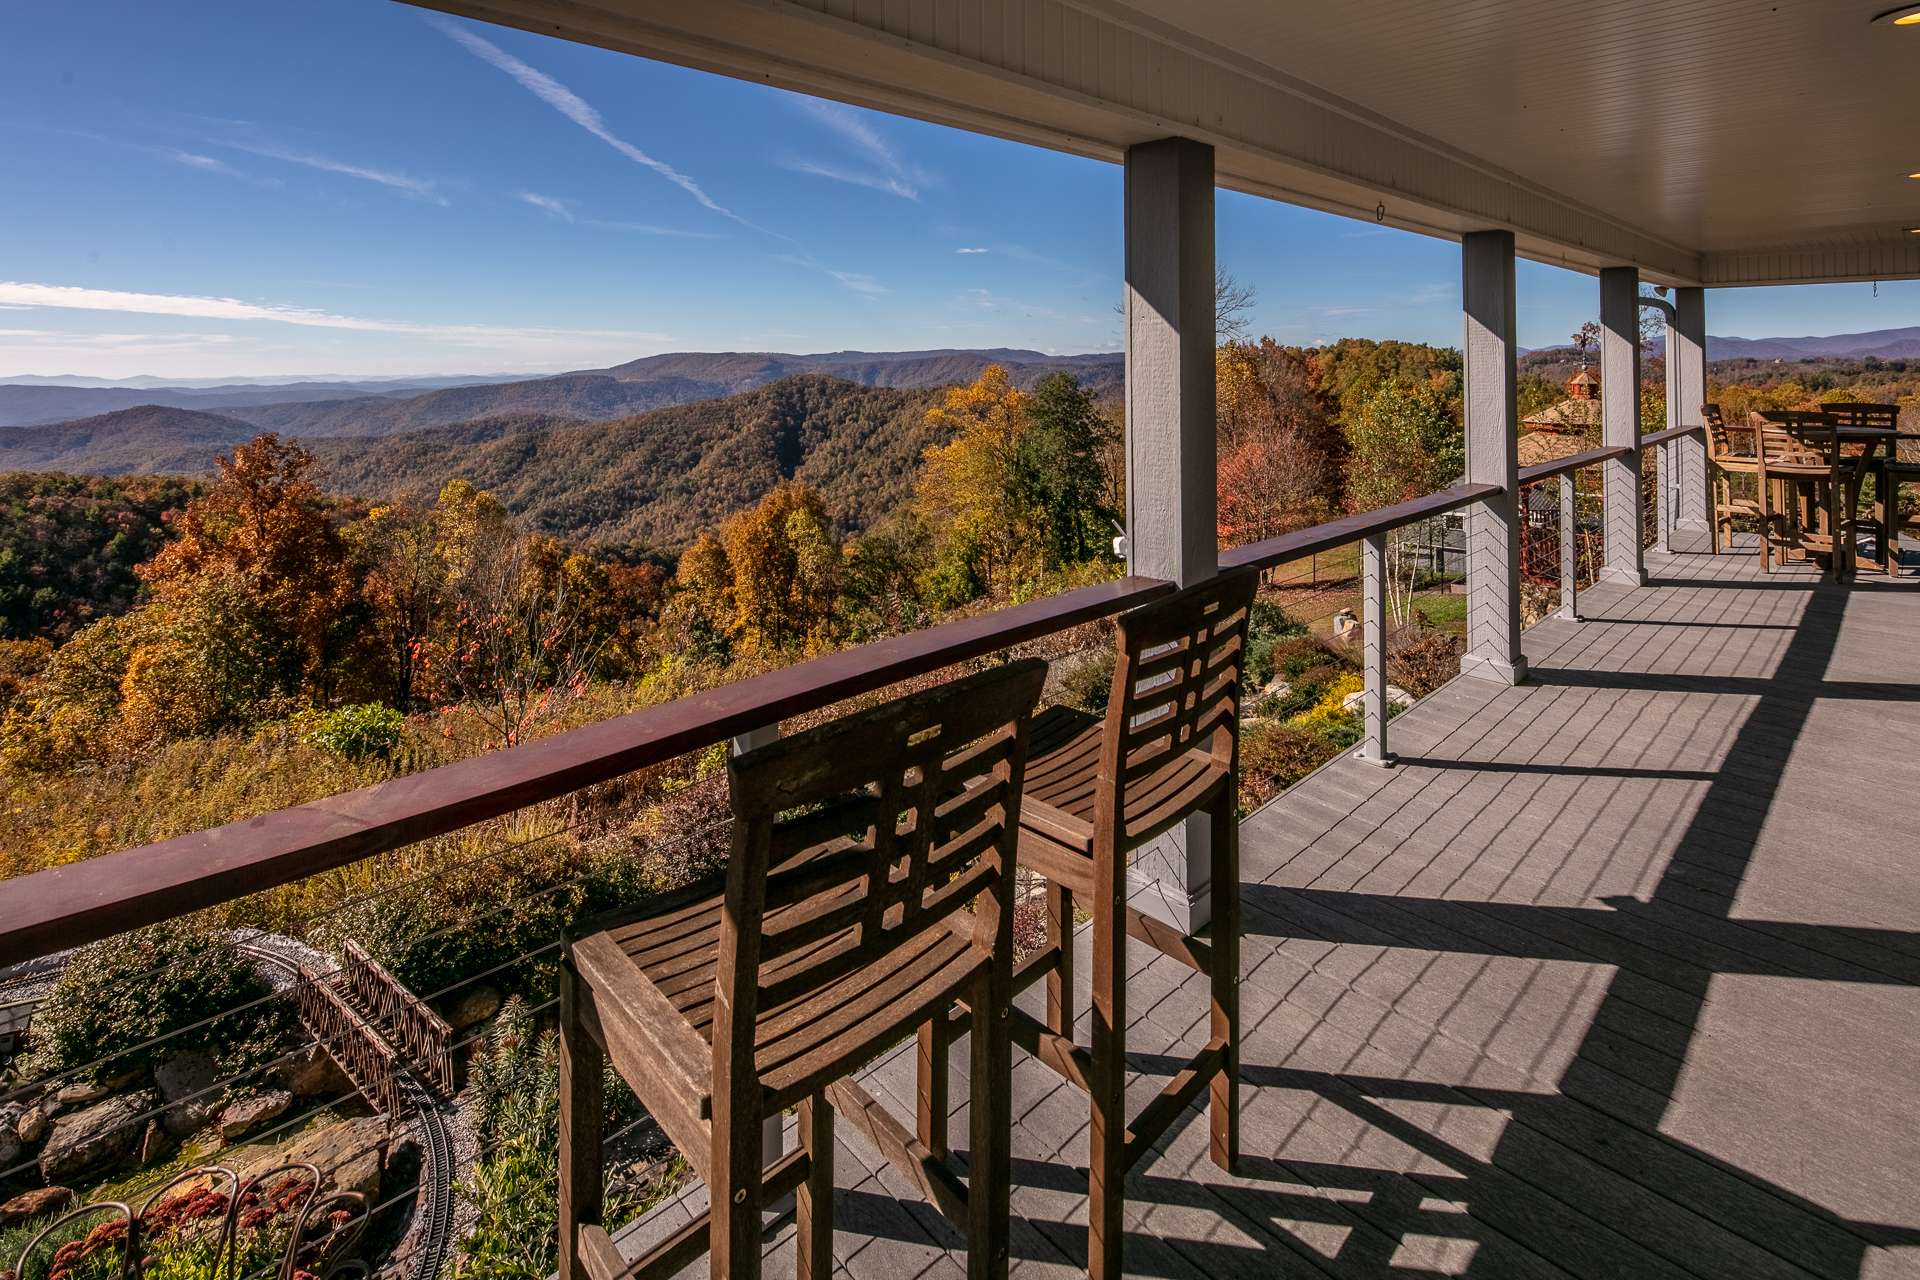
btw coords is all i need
(69, 544)
(151, 438)
(655, 479)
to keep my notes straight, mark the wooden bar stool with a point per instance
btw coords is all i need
(1732, 451)
(870, 887)
(1097, 789)
(1801, 451)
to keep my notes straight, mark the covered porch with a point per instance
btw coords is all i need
(1616, 974)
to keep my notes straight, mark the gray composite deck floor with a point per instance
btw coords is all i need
(1616, 975)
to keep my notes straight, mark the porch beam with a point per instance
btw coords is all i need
(1171, 465)
(1492, 433)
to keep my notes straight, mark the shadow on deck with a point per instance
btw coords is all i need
(1617, 975)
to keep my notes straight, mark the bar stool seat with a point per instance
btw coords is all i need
(665, 969)
(1063, 788)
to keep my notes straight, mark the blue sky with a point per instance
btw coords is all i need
(357, 187)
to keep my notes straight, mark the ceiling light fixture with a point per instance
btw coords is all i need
(1907, 15)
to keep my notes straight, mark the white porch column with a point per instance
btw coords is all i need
(1493, 526)
(1687, 375)
(1620, 418)
(1170, 445)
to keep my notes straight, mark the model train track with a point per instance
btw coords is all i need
(432, 1226)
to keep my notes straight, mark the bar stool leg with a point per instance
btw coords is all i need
(935, 1100)
(582, 1112)
(1890, 507)
(733, 1235)
(813, 1204)
(990, 1124)
(1060, 977)
(1107, 1136)
(1223, 1103)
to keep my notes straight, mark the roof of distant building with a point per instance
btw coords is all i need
(1580, 411)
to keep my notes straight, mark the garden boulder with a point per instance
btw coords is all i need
(250, 1113)
(33, 1124)
(37, 1203)
(351, 1154)
(186, 1082)
(311, 1073)
(472, 1007)
(102, 1133)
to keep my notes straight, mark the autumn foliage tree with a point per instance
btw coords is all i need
(1277, 446)
(252, 600)
(769, 580)
(1018, 490)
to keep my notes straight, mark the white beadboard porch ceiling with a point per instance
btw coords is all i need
(1718, 124)
(1704, 141)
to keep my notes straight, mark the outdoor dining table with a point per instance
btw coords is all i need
(1871, 439)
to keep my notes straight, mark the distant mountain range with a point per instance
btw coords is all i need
(654, 479)
(378, 408)
(29, 402)
(1881, 344)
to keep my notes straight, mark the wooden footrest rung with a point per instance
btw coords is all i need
(1169, 941)
(1171, 1101)
(902, 1149)
(1069, 1061)
(602, 1260)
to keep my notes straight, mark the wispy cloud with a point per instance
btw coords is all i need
(550, 204)
(405, 184)
(969, 250)
(857, 281)
(860, 282)
(191, 159)
(23, 294)
(650, 229)
(573, 107)
(889, 171)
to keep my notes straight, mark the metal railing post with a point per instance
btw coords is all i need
(1662, 497)
(1569, 551)
(1373, 634)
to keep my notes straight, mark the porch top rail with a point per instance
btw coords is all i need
(1338, 533)
(96, 898)
(1572, 462)
(84, 901)
(1671, 433)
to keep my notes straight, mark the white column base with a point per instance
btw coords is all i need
(1623, 575)
(1481, 667)
(1379, 762)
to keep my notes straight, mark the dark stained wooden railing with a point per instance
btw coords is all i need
(1348, 529)
(84, 901)
(96, 898)
(1572, 462)
(1671, 433)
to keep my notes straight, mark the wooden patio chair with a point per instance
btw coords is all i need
(1732, 451)
(1097, 789)
(1801, 451)
(870, 888)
